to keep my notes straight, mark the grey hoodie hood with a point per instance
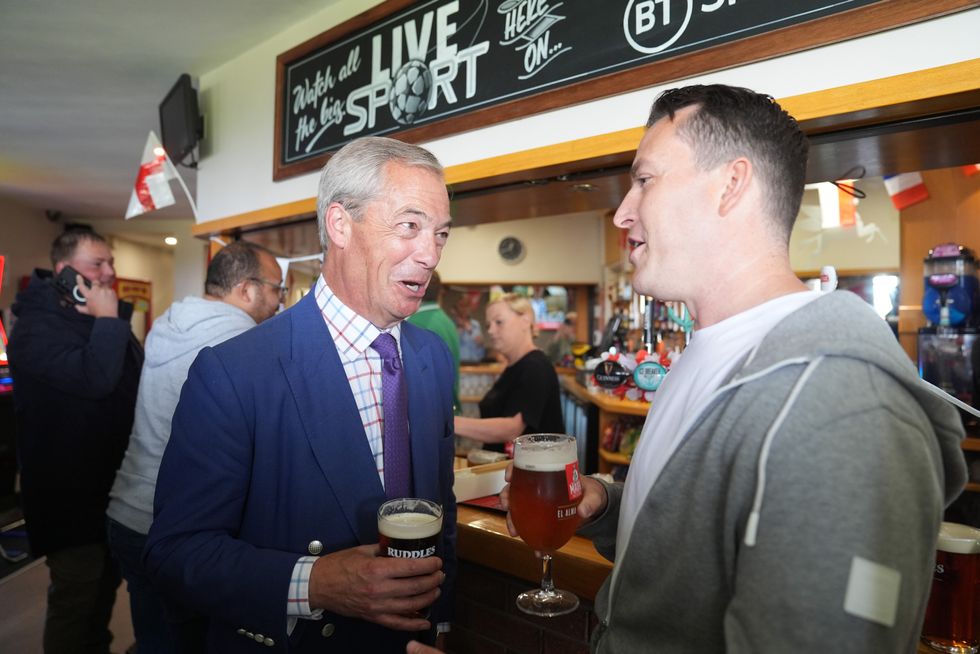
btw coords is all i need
(171, 347)
(189, 325)
(871, 342)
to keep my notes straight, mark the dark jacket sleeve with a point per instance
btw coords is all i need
(61, 357)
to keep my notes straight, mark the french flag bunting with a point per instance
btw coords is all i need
(906, 189)
(970, 170)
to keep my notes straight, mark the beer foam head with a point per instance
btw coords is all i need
(410, 526)
(544, 455)
(958, 539)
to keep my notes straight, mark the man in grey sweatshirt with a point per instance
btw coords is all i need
(789, 483)
(243, 288)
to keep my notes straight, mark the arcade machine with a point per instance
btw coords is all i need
(950, 303)
(946, 353)
(12, 540)
(8, 458)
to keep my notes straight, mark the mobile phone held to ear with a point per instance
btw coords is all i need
(67, 285)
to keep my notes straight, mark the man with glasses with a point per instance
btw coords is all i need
(276, 286)
(239, 293)
(75, 367)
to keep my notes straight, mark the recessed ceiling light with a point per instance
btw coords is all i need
(170, 240)
(585, 187)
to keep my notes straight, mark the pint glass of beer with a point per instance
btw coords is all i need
(409, 528)
(545, 491)
(953, 614)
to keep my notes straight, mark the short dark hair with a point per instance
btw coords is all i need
(236, 262)
(434, 288)
(730, 122)
(63, 248)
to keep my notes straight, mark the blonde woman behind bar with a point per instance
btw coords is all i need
(525, 398)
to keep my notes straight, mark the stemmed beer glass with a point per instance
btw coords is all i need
(545, 491)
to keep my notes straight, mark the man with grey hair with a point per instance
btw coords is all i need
(281, 450)
(242, 289)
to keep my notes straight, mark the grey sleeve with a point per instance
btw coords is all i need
(602, 530)
(848, 522)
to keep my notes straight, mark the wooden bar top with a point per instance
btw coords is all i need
(604, 401)
(483, 539)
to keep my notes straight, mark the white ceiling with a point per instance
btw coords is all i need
(81, 81)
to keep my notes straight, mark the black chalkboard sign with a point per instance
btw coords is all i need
(425, 62)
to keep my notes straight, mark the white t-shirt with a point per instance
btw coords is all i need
(707, 360)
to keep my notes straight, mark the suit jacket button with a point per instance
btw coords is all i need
(259, 638)
(327, 630)
(315, 547)
(249, 634)
(269, 642)
(240, 632)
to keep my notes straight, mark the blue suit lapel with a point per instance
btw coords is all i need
(424, 416)
(330, 418)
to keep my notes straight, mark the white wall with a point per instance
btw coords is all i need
(873, 245)
(149, 264)
(235, 174)
(25, 242)
(238, 102)
(560, 249)
(185, 266)
(190, 264)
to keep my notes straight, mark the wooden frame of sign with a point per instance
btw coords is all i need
(866, 19)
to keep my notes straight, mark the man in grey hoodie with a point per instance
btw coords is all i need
(243, 288)
(789, 483)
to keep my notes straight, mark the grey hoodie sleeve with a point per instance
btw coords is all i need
(602, 530)
(848, 522)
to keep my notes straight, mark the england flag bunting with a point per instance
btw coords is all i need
(152, 188)
(906, 189)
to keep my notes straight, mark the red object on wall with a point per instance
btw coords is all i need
(3, 332)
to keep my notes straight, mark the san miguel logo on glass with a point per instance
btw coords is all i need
(435, 60)
(574, 483)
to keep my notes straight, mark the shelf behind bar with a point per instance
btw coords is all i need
(615, 458)
(603, 401)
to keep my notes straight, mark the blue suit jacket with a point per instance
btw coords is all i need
(268, 453)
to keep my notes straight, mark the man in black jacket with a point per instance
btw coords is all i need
(76, 368)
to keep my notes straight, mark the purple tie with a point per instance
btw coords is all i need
(397, 454)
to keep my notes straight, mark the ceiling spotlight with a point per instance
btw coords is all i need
(170, 240)
(584, 187)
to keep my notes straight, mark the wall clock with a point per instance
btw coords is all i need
(511, 249)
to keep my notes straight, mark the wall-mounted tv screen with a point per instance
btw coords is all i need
(181, 125)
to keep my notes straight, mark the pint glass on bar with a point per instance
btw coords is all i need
(545, 491)
(409, 528)
(952, 621)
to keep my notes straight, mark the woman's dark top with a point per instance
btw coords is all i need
(528, 387)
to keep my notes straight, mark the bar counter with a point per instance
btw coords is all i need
(494, 567)
(483, 539)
